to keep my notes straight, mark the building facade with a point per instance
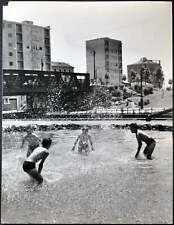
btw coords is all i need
(26, 46)
(14, 103)
(62, 67)
(151, 65)
(104, 60)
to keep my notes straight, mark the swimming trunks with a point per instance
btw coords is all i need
(28, 166)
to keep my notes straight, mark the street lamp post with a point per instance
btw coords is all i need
(42, 64)
(94, 66)
(141, 77)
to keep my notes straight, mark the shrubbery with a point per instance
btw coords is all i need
(146, 102)
(148, 90)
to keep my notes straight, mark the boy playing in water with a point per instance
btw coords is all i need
(83, 139)
(143, 137)
(32, 139)
(39, 154)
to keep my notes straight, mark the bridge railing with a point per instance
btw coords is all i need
(121, 111)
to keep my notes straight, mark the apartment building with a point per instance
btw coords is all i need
(62, 67)
(26, 46)
(104, 60)
(151, 65)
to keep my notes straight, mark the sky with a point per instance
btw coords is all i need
(144, 28)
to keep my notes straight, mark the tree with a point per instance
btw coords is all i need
(146, 75)
(132, 75)
(159, 77)
(137, 79)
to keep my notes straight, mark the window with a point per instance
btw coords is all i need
(6, 101)
(9, 25)
(40, 48)
(106, 49)
(106, 63)
(19, 46)
(10, 44)
(20, 65)
(10, 35)
(18, 28)
(11, 63)
(10, 53)
(106, 43)
(20, 55)
(28, 47)
(19, 37)
(46, 41)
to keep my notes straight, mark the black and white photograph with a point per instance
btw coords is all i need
(87, 112)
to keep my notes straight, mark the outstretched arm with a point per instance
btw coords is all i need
(23, 141)
(138, 150)
(75, 143)
(42, 161)
(90, 140)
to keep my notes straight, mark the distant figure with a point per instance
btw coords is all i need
(83, 139)
(143, 137)
(32, 139)
(39, 154)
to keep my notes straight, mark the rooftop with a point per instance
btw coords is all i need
(104, 38)
(60, 64)
(25, 22)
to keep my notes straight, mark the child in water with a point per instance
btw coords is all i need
(32, 139)
(39, 154)
(83, 139)
(143, 137)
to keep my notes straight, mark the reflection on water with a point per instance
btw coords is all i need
(114, 148)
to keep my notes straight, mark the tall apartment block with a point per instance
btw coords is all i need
(26, 46)
(104, 60)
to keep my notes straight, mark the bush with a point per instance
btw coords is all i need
(148, 90)
(137, 88)
(146, 102)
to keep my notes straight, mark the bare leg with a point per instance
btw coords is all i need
(145, 150)
(34, 174)
(150, 149)
(87, 150)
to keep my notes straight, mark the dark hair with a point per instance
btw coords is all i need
(46, 142)
(133, 125)
(85, 128)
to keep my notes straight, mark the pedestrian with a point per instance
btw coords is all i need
(143, 137)
(32, 139)
(84, 139)
(39, 154)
